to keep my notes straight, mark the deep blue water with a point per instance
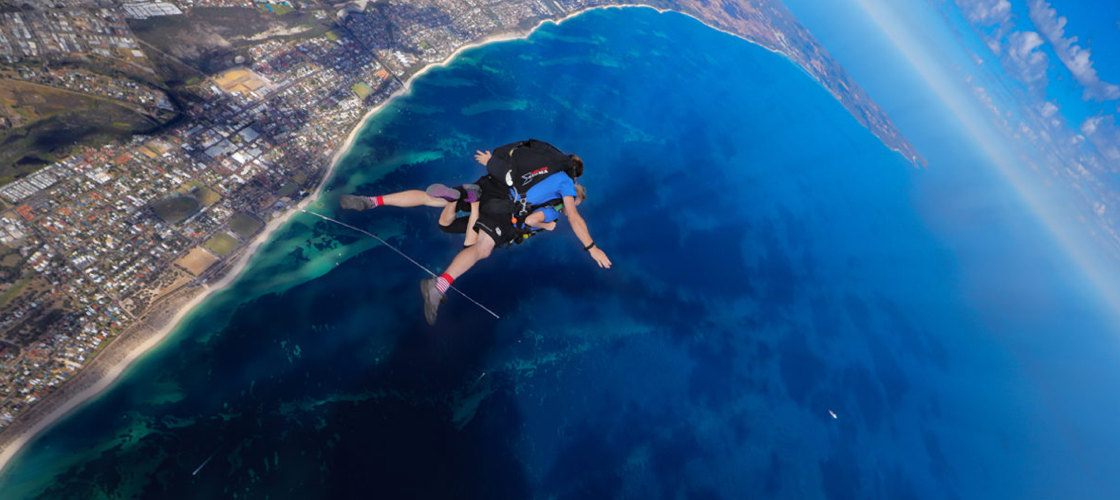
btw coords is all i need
(773, 262)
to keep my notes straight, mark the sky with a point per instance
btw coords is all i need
(1056, 64)
(1036, 83)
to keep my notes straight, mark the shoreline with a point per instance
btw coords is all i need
(20, 433)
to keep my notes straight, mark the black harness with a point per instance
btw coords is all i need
(520, 166)
(524, 231)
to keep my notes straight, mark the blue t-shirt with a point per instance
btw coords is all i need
(555, 186)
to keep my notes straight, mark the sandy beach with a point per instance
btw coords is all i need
(100, 373)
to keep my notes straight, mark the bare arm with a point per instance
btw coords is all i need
(580, 228)
(536, 219)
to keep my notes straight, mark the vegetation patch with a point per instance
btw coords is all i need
(300, 177)
(210, 39)
(47, 123)
(279, 9)
(37, 320)
(205, 195)
(361, 90)
(14, 290)
(287, 189)
(199, 191)
(175, 210)
(10, 269)
(9, 259)
(221, 244)
(245, 225)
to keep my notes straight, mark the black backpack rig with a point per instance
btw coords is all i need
(519, 166)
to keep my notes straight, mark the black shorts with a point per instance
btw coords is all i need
(502, 232)
(494, 214)
(457, 226)
(499, 228)
(495, 211)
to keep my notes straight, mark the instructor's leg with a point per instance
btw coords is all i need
(470, 256)
(434, 290)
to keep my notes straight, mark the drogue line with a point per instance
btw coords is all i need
(402, 254)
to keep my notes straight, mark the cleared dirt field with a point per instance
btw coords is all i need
(197, 261)
(240, 81)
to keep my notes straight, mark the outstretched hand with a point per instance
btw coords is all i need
(482, 157)
(600, 257)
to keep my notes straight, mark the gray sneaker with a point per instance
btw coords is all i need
(442, 192)
(351, 202)
(432, 299)
(474, 193)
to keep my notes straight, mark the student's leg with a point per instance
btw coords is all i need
(472, 232)
(413, 198)
(447, 216)
(410, 198)
(449, 222)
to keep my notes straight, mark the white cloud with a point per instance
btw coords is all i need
(1048, 109)
(1089, 127)
(977, 60)
(1101, 131)
(1078, 60)
(985, 12)
(982, 14)
(993, 45)
(985, 99)
(1024, 61)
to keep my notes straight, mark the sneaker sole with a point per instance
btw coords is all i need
(474, 192)
(442, 192)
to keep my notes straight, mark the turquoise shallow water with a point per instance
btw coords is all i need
(773, 262)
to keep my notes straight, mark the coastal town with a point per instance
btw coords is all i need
(102, 247)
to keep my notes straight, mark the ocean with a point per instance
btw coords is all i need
(794, 310)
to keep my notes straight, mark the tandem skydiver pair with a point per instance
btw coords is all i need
(527, 185)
